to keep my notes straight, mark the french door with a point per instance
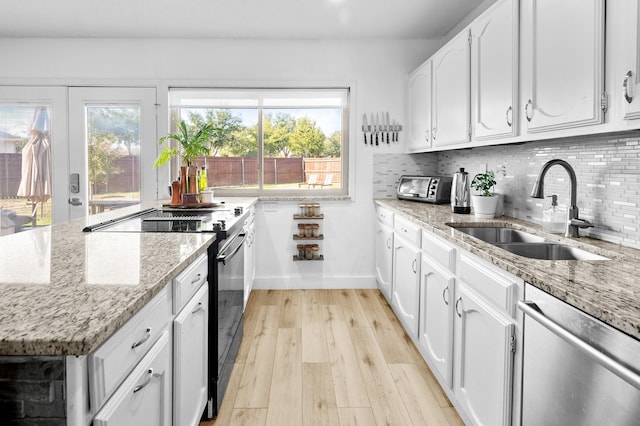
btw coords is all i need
(112, 147)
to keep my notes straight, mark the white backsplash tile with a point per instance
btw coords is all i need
(607, 169)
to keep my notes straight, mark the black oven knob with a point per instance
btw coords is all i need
(237, 211)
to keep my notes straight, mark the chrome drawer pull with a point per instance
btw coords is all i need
(445, 298)
(146, 382)
(144, 339)
(625, 87)
(196, 279)
(457, 311)
(198, 308)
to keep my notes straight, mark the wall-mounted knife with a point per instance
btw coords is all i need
(365, 127)
(387, 125)
(378, 127)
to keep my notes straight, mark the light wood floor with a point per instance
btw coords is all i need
(329, 357)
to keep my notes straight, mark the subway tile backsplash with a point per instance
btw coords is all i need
(607, 169)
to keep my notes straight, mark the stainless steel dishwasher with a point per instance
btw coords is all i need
(576, 369)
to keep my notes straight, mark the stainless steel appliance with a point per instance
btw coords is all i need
(225, 277)
(576, 369)
(427, 189)
(460, 193)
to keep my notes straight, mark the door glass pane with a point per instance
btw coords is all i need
(25, 167)
(113, 156)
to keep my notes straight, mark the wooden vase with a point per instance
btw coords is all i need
(193, 180)
(183, 180)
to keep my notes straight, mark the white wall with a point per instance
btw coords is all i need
(377, 70)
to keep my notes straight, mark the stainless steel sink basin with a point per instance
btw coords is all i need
(527, 245)
(549, 251)
(501, 235)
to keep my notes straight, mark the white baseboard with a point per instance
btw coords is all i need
(294, 283)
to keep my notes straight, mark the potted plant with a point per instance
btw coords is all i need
(484, 204)
(192, 144)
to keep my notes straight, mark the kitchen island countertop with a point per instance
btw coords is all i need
(64, 291)
(606, 289)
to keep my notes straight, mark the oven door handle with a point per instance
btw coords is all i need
(611, 364)
(230, 250)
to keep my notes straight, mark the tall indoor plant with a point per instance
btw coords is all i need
(484, 204)
(192, 144)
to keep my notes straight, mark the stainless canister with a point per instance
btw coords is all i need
(460, 192)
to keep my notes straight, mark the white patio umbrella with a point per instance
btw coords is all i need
(35, 183)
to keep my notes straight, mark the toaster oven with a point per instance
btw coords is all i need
(426, 189)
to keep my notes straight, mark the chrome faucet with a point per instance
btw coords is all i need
(573, 221)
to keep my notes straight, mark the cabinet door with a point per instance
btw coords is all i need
(406, 282)
(419, 92)
(249, 262)
(144, 398)
(190, 359)
(451, 105)
(384, 258)
(436, 317)
(483, 360)
(627, 22)
(563, 63)
(494, 71)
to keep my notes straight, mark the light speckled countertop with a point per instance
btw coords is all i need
(64, 292)
(607, 289)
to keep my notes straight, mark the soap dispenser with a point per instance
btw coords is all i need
(554, 219)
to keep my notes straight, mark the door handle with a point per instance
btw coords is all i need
(75, 201)
(625, 87)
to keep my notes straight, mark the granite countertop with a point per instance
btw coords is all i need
(64, 291)
(606, 289)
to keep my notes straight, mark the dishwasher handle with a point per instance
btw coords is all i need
(229, 250)
(611, 364)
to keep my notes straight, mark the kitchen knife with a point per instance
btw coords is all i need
(365, 127)
(378, 127)
(394, 136)
(387, 125)
(373, 127)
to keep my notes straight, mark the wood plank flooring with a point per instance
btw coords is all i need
(329, 357)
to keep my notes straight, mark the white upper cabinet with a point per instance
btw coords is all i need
(624, 55)
(494, 71)
(562, 63)
(419, 93)
(451, 105)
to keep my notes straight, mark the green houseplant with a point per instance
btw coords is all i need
(484, 205)
(192, 144)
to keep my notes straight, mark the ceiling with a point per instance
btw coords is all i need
(238, 19)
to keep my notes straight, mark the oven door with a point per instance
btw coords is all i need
(230, 264)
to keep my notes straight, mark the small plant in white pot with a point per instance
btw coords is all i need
(484, 204)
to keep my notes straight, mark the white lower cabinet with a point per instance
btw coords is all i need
(384, 258)
(436, 317)
(190, 358)
(406, 274)
(483, 360)
(144, 398)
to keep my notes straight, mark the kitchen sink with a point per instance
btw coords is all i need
(501, 235)
(527, 245)
(549, 251)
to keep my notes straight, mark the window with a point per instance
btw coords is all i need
(270, 141)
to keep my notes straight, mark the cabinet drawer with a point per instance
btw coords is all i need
(409, 230)
(145, 396)
(384, 216)
(188, 282)
(439, 250)
(111, 362)
(499, 288)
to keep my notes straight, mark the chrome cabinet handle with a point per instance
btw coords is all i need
(526, 110)
(144, 339)
(509, 116)
(625, 87)
(433, 133)
(196, 279)
(531, 309)
(413, 266)
(389, 243)
(445, 298)
(426, 135)
(146, 382)
(457, 311)
(198, 308)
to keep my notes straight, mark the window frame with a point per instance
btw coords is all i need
(260, 191)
